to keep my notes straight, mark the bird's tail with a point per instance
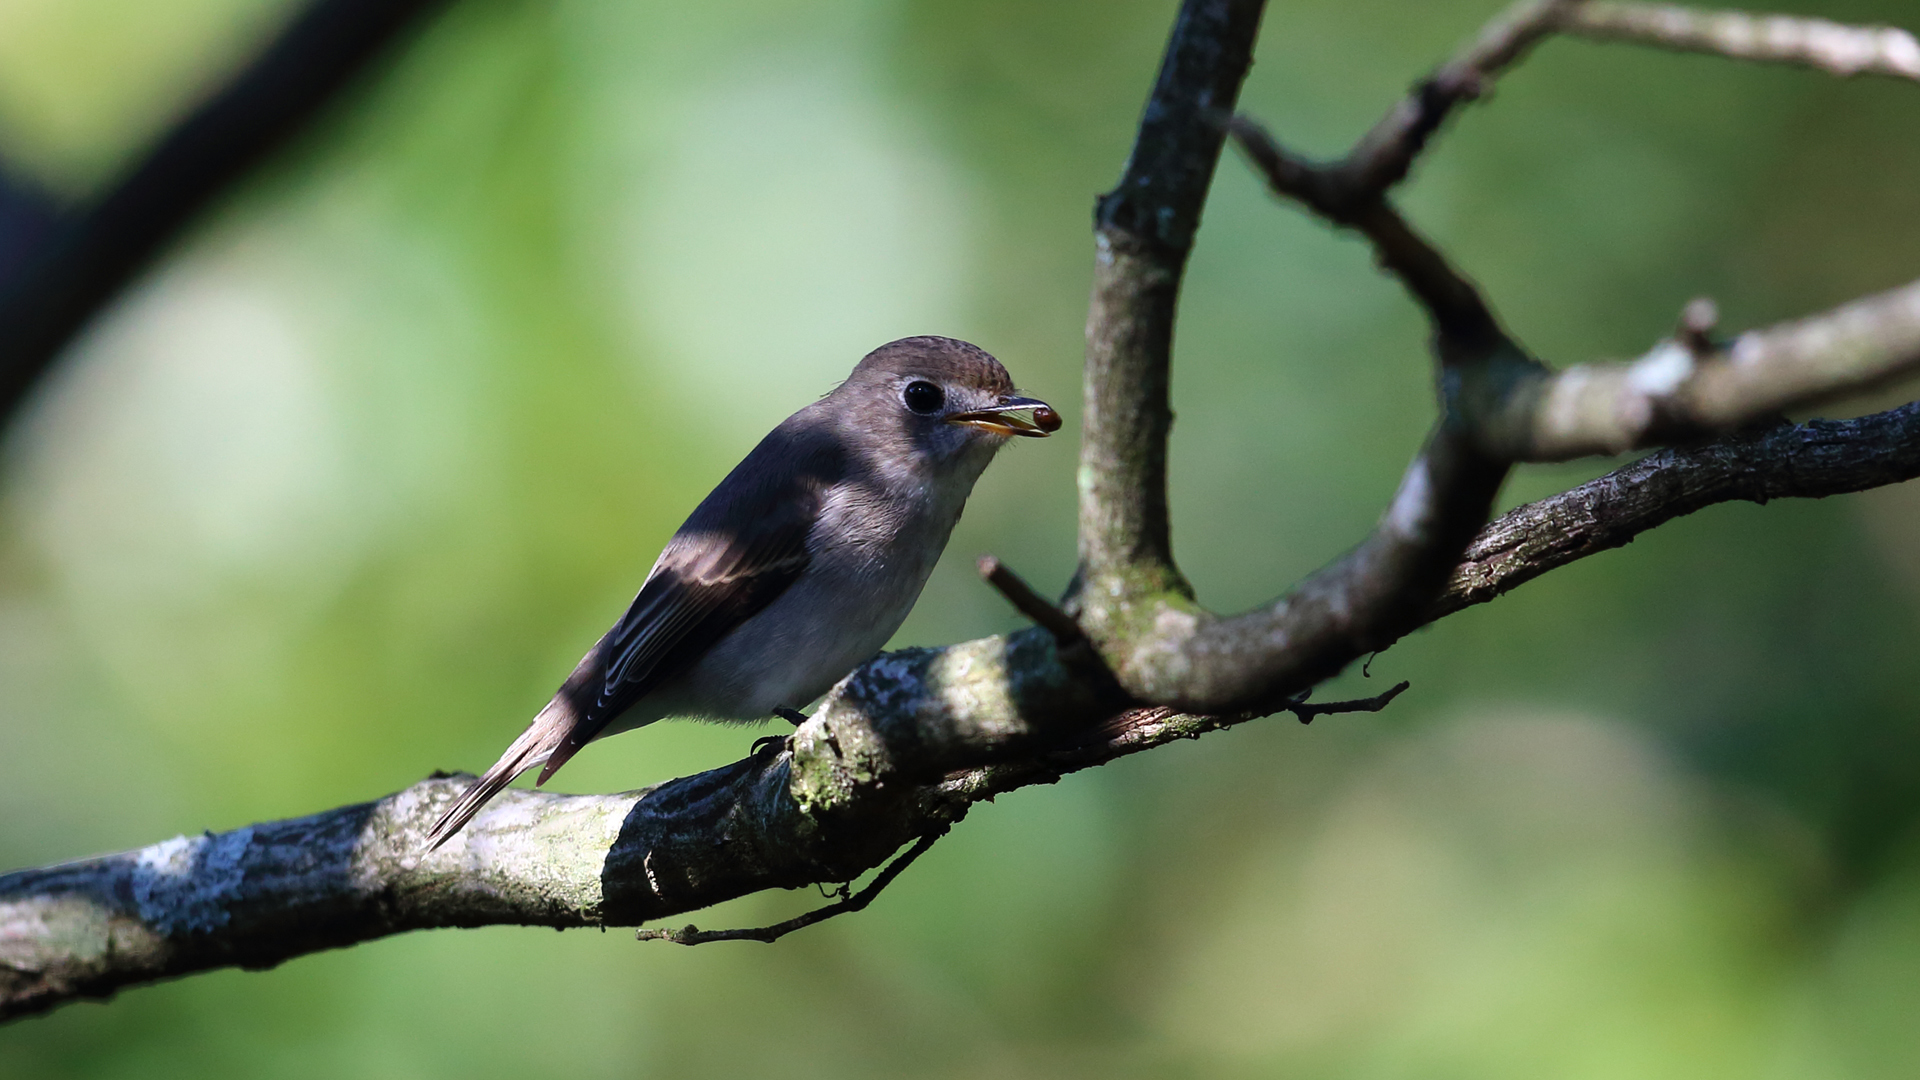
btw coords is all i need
(546, 739)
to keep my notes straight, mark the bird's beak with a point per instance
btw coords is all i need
(1000, 420)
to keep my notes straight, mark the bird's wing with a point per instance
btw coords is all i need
(744, 546)
(705, 584)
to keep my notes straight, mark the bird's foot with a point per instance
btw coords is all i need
(791, 716)
(776, 743)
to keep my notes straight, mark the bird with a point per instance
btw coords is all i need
(798, 567)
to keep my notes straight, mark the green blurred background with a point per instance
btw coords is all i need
(335, 495)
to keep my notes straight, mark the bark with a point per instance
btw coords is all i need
(1143, 232)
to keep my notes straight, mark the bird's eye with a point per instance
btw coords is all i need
(923, 397)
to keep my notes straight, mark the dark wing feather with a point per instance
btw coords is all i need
(744, 546)
(693, 599)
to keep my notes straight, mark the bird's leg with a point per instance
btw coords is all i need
(791, 716)
(776, 743)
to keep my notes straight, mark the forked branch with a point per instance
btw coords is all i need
(1499, 406)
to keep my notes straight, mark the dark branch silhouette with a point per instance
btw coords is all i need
(58, 270)
(848, 903)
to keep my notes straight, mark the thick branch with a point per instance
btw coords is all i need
(865, 775)
(262, 894)
(1356, 605)
(1672, 394)
(1143, 230)
(1501, 407)
(90, 256)
(1785, 461)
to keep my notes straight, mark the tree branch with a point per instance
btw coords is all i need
(1451, 301)
(1143, 231)
(1783, 461)
(1385, 153)
(1029, 603)
(1164, 648)
(1674, 394)
(1684, 388)
(260, 895)
(846, 905)
(1180, 655)
(1305, 711)
(86, 258)
(904, 745)
(1833, 47)
(1499, 406)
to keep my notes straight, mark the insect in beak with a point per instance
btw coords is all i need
(1000, 420)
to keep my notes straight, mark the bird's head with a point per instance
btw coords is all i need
(940, 400)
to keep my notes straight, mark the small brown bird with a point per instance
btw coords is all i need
(798, 567)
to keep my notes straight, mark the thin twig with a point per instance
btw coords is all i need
(1305, 712)
(1835, 48)
(1132, 731)
(1029, 603)
(1451, 300)
(1385, 153)
(1698, 320)
(693, 935)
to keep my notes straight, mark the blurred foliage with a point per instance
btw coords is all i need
(336, 495)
